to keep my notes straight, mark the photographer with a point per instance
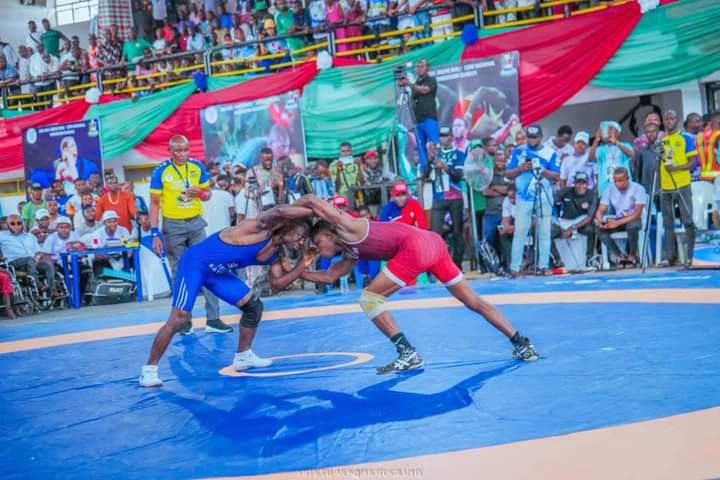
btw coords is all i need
(424, 90)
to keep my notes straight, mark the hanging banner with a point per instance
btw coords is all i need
(235, 133)
(63, 152)
(475, 100)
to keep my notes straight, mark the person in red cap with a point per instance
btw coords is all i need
(409, 252)
(403, 208)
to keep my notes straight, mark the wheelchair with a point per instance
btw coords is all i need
(30, 296)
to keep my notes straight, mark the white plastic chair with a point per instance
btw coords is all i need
(622, 237)
(702, 202)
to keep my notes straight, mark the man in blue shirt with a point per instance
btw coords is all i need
(445, 169)
(21, 250)
(533, 166)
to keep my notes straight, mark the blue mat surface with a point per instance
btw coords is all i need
(74, 411)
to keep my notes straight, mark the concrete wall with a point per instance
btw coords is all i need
(14, 18)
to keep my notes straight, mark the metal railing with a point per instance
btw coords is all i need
(383, 45)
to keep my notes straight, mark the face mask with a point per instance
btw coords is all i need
(347, 159)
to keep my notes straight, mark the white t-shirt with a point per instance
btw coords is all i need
(508, 208)
(246, 206)
(54, 245)
(159, 9)
(574, 164)
(105, 240)
(563, 153)
(624, 203)
(216, 211)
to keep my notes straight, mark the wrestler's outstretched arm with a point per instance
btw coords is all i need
(274, 217)
(331, 275)
(344, 223)
(280, 279)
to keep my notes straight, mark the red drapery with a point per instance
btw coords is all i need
(186, 119)
(559, 58)
(11, 149)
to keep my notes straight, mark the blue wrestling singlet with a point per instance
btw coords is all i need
(210, 264)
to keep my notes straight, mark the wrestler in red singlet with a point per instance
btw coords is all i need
(410, 252)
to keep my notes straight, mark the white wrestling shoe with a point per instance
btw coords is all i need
(149, 376)
(248, 359)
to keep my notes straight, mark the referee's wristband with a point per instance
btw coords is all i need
(155, 232)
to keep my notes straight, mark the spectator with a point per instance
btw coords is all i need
(507, 228)
(322, 184)
(144, 228)
(225, 19)
(346, 171)
(675, 182)
(285, 23)
(110, 234)
(33, 38)
(578, 162)
(85, 223)
(92, 53)
(6, 289)
(7, 51)
(219, 211)
(647, 159)
(460, 133)
(143, 20)
(134, 48)
(160, 44)
(271, 47)
(77, 200)
(693, 124)
(122, 203)
(410, 18)
(21, 250)
(560, 143)
(36, 203)
(354, 14)
(627, 199)
(650, 118)
(194, 16)
(44, 69)
(53, 213)
(24, 76)
(140, 205)
(495, 194)
(58, 241)
(520, 137)
(424, 103)
(159, 11)
(373, 174)
(462, 8)
(184, 22)
(196, 40)
(266, 181)
(610, 155)
(110, 50)
(316, 9)
(41, 229)
(51, 39)
(578, 204)
(62, 197)
(378, 13)
(177, 187)
(403, 208)
(446, 172)
(707, 145)
(475, 160)
(71, 68)
(8, 74)
(533, 166)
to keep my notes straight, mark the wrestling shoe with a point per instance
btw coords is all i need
(149, 376)
(523, 349)
(248, 359)
(408, 359)
(186, 329)
(217, 326)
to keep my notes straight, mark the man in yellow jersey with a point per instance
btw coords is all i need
(675, 183)
(177, 187)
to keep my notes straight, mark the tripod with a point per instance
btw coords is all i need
(540, 191)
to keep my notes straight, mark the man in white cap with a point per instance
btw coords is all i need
(610, 154)
(41, 228)
(22, 251)
(578, 162)
(57, 242)
(109, 235)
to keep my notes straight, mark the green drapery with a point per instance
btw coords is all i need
(357, 104)
(13, 113)
(218, 83)
(125, 123)
(671, 44)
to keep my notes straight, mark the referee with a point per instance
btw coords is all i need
(177, 186)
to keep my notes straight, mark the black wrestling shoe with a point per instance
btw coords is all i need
(523, 349)
(186, 329)
(408, 359)
(217, 326)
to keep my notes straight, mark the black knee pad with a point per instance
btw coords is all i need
(252, 312)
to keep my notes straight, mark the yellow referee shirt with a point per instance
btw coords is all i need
(680, 149)
(170, 182)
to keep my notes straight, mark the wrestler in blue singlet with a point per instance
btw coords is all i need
(210, 264)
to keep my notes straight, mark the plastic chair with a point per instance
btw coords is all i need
(622, 237)
(702, 203)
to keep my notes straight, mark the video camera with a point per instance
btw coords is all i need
(399, 72)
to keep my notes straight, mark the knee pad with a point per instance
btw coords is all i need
(372, 304)
(252, 312)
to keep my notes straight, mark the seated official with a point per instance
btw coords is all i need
(62, 241)
(578, 205)
(627, 199)
(403, 208)
(21, 250)
(41, 227)
(506, 229)
(85, 224)
(111, 234)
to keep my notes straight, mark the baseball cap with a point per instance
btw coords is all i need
(41, 213)
(534, 131)
(399, 189)
(339, 201)
(36, 186)
(371, 154)
(445, 131)
(582, 137)
(108, 214)
(62, 220)
(581, 177)
(475, 143)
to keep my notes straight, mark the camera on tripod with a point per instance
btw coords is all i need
(399, 72)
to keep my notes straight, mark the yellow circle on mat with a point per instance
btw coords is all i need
(360, 357)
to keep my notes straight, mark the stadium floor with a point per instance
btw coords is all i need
(628, 386)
